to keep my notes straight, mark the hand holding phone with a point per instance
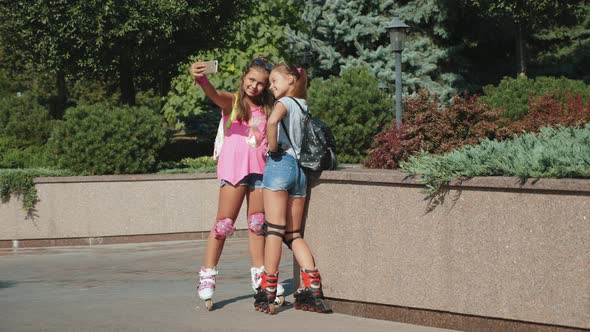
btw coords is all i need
(210, 67)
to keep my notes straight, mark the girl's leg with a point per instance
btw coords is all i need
(255, 240)
(293, 238)
(310, 296)
(275, 203)
(230, 201)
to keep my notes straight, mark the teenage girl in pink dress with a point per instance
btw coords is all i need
(239, 168)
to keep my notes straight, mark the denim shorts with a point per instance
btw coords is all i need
(253, 181)
(283, 173)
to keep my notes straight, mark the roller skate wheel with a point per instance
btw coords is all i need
(280, 300)
(271, 309)
(209, 305)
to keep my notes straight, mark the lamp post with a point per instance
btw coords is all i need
(291, 43)
(397, 33)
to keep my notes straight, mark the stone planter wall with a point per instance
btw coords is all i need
(491, 254)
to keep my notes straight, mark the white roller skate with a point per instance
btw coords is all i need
(256, 276)
(206, 287)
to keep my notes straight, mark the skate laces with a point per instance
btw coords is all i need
(270, 283)
(311, 279)
(256, 274)
(207, 278)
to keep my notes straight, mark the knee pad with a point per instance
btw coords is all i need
(256, 223)
(223, 228)
(291, 236)
(267, 232)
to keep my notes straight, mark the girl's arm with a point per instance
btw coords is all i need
(221, 98)
(272, 124)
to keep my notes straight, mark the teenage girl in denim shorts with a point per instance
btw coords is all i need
(239, 168)
(285, 187)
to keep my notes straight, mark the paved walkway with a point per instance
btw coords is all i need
(147, 287)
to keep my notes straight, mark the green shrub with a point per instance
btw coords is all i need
(100, 139)
(90, 92)
(562, 152)
(19, 182)
(204, 164)
(512, 95)
(25, 120)
(34, 156)
(354, 108)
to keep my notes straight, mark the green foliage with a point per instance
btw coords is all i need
(19, 183)
(532, 13)
(261, 33)
(562, 152)
(121, 39)
(13, 156)
(563, 50)
(513, 94)
(344, 34)
(204, 164)
(90, 92)
(526, 17)
(99, 139)
(24, 120)
(354, 108)
(5, 85)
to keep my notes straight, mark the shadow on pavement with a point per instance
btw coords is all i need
(7, 284)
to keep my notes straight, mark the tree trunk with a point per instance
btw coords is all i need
(57, 111)
(126, 81)
(521, 51)
(164, 82)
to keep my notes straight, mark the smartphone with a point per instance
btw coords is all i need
(210, 67)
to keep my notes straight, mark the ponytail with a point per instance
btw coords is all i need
(299, 89)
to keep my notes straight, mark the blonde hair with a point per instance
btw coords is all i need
(299, 89)
(264, 100)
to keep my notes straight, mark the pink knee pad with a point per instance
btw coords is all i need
(255, 223)
(223, 228)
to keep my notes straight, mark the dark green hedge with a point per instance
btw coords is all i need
(100, 139)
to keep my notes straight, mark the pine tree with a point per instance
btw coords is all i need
(344, 34)
(526, 17)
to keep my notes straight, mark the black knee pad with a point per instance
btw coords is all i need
(296, 235)
(267, 232)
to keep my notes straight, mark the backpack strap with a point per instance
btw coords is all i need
(285, 128)
(234, 111)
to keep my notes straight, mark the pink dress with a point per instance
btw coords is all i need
(244, 148)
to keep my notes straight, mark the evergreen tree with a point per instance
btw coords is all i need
(563, 50)
(344, 34)
(527, 16)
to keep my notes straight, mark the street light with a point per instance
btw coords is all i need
(291, 43)
(397, 33)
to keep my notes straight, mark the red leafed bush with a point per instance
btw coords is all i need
(433, 128)
(547, 111)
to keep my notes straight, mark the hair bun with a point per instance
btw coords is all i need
(263, 57)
